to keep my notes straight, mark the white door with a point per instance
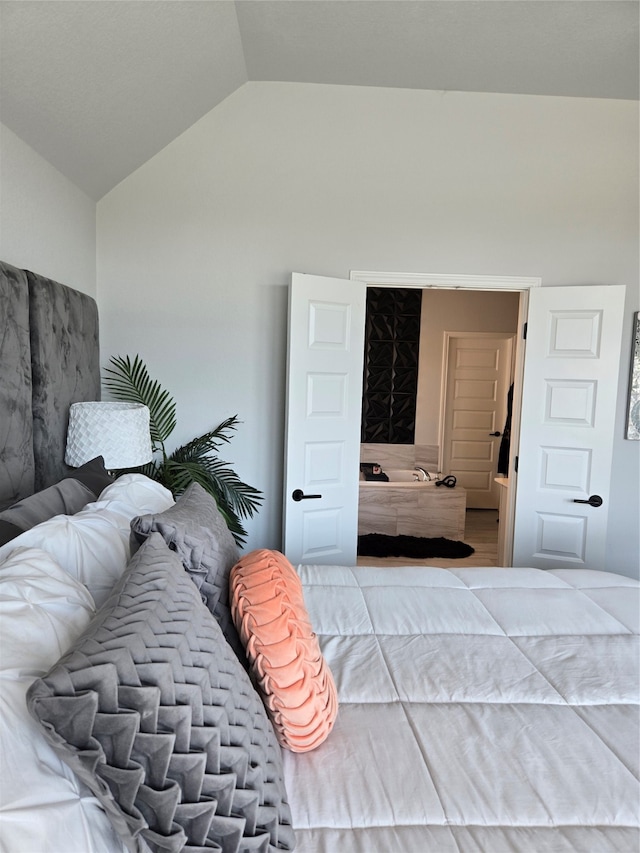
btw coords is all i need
(567, 422)
(324, 408)
(478, 375)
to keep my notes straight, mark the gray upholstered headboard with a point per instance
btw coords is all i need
(49, 358)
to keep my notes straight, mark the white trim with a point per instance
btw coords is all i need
(477, 282)
(446, 280)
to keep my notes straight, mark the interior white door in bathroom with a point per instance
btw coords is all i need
(477, 385)
(567, 425)
(323, 414)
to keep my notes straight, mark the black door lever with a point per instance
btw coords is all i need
(594, 500)
(299, 495)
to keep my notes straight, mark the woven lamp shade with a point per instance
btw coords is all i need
(119, 432)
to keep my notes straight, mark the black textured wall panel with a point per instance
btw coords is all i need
(392, 343)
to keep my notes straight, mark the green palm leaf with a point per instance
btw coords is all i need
(130, 382)
(194, 462)
(181, 474)
(227, 487)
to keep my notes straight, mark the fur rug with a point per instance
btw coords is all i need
(415, 547)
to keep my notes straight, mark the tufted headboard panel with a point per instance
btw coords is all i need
(49, 358)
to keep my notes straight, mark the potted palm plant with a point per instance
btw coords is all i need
(197, 461)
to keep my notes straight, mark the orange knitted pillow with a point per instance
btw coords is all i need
(297, 687)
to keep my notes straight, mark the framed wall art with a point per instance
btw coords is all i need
(633, 422)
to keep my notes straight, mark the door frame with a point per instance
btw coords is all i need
(450, 281)
(443, 422)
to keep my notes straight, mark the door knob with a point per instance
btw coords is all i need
(299, 495)
(594, 500)
(495, 433)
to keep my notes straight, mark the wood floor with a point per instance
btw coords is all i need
(481, 532)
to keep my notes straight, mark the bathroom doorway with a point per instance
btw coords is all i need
(567, 333)
(460, 306)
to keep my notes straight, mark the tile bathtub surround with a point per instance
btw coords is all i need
(401, 455)
(413, 509)
(388, 455)
(426, 455)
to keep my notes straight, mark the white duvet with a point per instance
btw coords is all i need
(44, 808)
(51, 578)
(480, 710)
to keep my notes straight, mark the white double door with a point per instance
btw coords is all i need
(566, 434)
(567, 419)
(324, 406)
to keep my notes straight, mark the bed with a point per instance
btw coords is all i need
(475, 709)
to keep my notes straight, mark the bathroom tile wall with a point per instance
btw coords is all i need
(401, 455)
(392, 342)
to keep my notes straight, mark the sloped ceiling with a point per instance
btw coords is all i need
(97, 87)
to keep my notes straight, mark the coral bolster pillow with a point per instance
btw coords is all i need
(268, 609)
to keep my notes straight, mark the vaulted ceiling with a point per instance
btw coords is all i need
(97, 87)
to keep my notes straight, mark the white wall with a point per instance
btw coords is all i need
(195, 249)
(47, 224)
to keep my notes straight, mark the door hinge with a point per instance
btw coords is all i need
(524, 331)
(515, 465)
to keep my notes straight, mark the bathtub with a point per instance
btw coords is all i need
(409, 506)
(405, 475)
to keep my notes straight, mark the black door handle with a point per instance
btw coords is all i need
(299, 495)
(495, 433)
(594, 500)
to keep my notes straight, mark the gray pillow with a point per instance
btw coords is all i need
(8, 532)
(65, 498)
(93, 474)
(154, 713)
(195, 529)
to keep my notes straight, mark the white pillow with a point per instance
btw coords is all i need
(43, 806)
(94, 544)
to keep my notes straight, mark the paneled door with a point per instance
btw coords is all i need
(567, 425)
(323, 414)
(478, 376)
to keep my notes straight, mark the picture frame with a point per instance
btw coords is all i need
(633, 420)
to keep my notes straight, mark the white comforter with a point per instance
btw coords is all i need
(50, 580)
(480, 710)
